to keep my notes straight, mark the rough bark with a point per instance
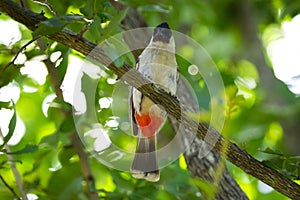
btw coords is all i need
(127, 74)
(205, 166)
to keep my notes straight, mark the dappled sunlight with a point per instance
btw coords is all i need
(36, 70)
(46, 103)
(74, 134)
(283, 45)
(12, 34)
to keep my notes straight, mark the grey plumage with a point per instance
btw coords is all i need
(158, 63)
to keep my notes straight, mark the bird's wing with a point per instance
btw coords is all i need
(135, 128)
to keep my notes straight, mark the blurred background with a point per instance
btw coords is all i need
(255, 45)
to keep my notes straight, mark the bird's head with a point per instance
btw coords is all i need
(162, 33)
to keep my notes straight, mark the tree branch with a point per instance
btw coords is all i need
(211, 167)
(205, 167)
(127, 74)
(76, 142)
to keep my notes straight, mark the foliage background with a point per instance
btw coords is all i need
(261, 118)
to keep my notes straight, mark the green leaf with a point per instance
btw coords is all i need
(65, 155)
(72, 18)
(3, 162)
(4, 104)
(284, 163)
(11, 128)
(163, 194)
(29, 148)
(66, 128)
(50, 140)
(48, 28)
(114, 55)
(154, 8)
(66, 183)
(207, 189)
(115, 22)
(55, 24)
(89, 9)
(10, 72)
(95, 29)
(68, 125)
(59, 104)
(271, 151)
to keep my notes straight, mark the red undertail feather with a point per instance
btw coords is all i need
(149, 125)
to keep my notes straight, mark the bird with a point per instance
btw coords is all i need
(158, 63)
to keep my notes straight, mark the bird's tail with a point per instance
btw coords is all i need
(145, 160)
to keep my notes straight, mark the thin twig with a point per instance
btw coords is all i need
(53, 75)
(15, 170)
(47, 4)
(17, 54)
(85, 167)
(85, 28)
(10, 188)
(22, 3)
(76, 142)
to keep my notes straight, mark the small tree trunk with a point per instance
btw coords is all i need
(205, 166)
